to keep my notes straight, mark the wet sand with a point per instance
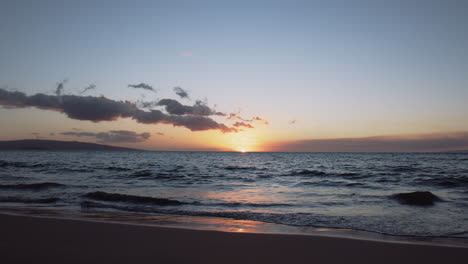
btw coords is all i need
(43, 240)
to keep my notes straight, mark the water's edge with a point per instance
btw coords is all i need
(228, 225)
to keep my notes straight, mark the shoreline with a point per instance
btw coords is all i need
(226, 225)
(39, 239)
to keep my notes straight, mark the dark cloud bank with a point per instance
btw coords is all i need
(113, 136)
(421, 143)
(96, 109)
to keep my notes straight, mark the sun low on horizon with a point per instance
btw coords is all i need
(232, 131)
(298, 76)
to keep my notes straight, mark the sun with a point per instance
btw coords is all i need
(241, 142)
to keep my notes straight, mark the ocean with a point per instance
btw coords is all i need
(253, 192)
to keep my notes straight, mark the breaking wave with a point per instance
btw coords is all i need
(117, 197)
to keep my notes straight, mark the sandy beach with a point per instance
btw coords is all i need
(43, 240)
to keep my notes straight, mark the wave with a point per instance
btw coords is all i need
(416, 198)
(19, 164)
(329, 183)
(349, 174)
(10, 199)
(309, 183)
(239, 168)
(142, 173)
(354, 222)
(146, 209)
(117, 197)
(403, 169)
(382, 180)
(307, 173)
(355, 184)
(31, 186)
(444, 182)
(248, 204)
(264, 176)
(388, 174)
(113, 168)
(76, 170)
(148, 174)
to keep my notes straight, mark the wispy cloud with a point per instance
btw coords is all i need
(242, 124)
(261, 120)
(36, 135)
(89, 87)
(181, 92)
(237, 116)
(113, 136)
(60, 87)
(142, 86)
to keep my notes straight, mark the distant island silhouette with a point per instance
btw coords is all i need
(38, 144)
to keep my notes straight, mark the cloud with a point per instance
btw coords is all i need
(259, 119)
(173, 107)
(418, 143)
(60, 87)
(147, 104)
(176, 108)
(245, 122)
(113, 136)
(192, 122)
(181, 92)
(142, 86)
(237, 116)
(292, 121)
(97, 109)
(90, 87)
(242, 124)
(234, 116)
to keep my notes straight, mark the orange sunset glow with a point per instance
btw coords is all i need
(233, 131)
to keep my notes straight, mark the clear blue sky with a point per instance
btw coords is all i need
(340, 68)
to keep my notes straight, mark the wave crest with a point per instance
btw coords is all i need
(117, 197)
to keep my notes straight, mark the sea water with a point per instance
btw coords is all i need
(351, 191)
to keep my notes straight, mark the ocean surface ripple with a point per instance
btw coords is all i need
(333, 190)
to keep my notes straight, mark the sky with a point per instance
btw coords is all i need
(268, 75)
